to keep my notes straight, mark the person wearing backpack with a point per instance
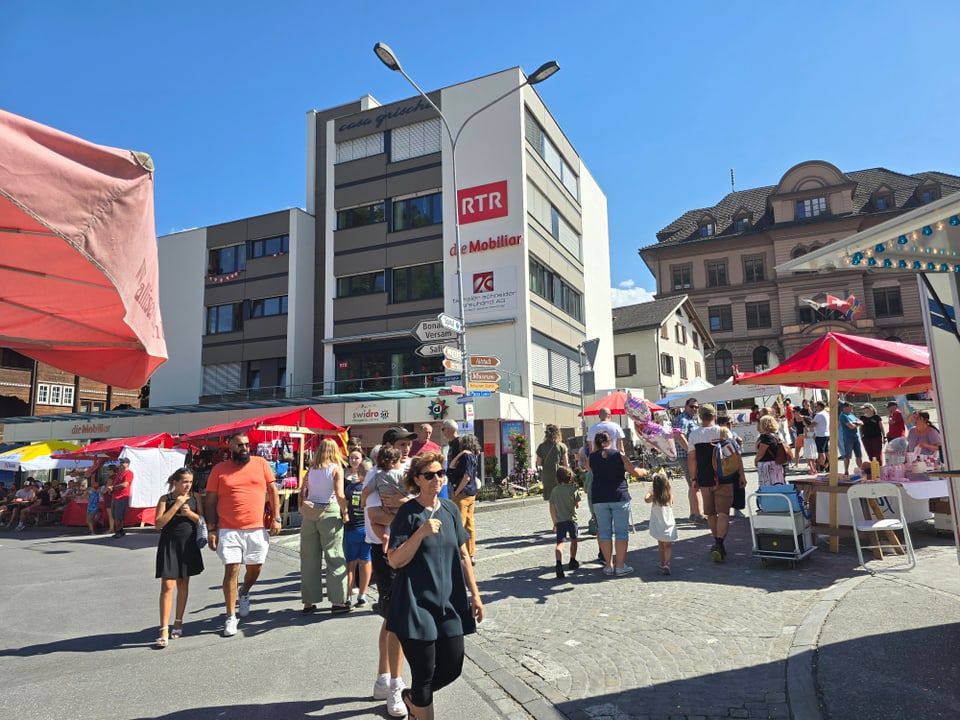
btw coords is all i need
(769, 446)
(717, 491)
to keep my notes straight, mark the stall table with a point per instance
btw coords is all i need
(75, 513)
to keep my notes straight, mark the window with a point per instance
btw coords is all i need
(12, 359)
(697, 372)
(706, 229)
(51, 394)
(222, 378)
(268, 247)
(723, 365)
(418, 282)
(361, 147)
(696, 338)
(365, 284)
(758, 315)
(359, 216)
(418, 211)
(43, 394)
(798, 252)
(56, 393)
(716, 273)
(761, 359)
(253, 379)
(887, 302)
(683, 368)
(540, 208)
(812, 207)
(666, 363)
(549, 286)
(556, 369)
(928, 194)
(266, 307)
(721, 318)
(664, 332)
(67, 398)
(625, 365)
(680, 332)
(883, 200)
(226, 260)
(224, 318)
(548, 151)
(753, 269)
(681, 277)
(410, 141)
(742, 223)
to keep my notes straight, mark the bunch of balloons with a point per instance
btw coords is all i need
(651, 433)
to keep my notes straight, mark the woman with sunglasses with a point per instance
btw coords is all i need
(429, 608)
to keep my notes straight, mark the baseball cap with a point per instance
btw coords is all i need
(892, 403)
(124, 461)
(707, 410)
(398, 433)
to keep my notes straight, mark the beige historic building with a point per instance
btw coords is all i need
(659, 345)
(723, 259)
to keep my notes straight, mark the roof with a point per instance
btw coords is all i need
(645, 315)
(756, 202)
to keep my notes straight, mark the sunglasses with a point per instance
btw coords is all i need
(693, 407)
(430, 474)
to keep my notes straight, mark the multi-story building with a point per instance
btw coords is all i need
(659, 345)
(330, 309)
(723, 258)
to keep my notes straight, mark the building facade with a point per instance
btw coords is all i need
(375, 255)
(659, 345)
(723, 259)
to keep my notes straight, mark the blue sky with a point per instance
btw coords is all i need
(660, 99)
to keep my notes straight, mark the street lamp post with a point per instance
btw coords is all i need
(389, 58)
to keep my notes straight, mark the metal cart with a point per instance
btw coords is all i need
(779, 535)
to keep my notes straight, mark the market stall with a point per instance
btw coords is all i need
(851, 364)
(40, 456)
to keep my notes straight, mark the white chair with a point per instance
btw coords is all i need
(872, 493)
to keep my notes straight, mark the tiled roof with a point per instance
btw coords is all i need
(645, 315)
(756, 202)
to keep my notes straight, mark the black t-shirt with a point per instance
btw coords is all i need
(352, 492)
(798, 416)
(771, 441)
(44, 497)
(703, 440)
(872, 427)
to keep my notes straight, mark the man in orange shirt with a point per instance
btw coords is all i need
(234, 504)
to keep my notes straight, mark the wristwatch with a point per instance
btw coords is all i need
(278, 520)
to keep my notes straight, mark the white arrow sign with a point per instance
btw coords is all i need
(450, 322)
(432, 349)
(452, 352)
(431, 331)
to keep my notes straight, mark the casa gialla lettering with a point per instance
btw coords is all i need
(491, 243)
(91, 429)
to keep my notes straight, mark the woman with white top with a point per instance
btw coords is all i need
(323, 506)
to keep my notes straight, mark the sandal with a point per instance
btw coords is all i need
(308, 609)
(405, 695)
(162, 640)
(340, 609)
(177, 629)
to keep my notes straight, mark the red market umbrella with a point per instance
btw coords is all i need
(78, 255)
(113, 448)
(304, 420)
(614, 402)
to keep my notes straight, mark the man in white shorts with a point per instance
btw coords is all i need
(234, 504)
(389, 683)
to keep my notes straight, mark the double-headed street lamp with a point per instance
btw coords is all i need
(388, 58)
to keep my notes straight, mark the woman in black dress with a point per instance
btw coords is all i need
(178, 554)
(429, 610)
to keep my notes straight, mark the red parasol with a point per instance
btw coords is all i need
(614, 402)
(78, 255)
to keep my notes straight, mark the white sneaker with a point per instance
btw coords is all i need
(230, 626)
(625, 570)
(243, 605)
(381, 690)
(396, 707)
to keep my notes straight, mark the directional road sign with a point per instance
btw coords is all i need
(449, 378)
(452, 365)
(453, 352)
(484, 376)
(483, 386)
(450, 323)
(431, 331)
(484, 361)
(481, 393)
(431, 349)
(464, 400)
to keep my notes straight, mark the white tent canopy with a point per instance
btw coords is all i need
(727, 391)
(695, 386)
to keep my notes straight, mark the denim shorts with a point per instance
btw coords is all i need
(566, 528)
(613, 520)
(355, 545)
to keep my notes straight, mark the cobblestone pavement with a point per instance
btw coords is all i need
(710, 641)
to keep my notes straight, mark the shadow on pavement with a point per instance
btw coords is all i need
(284, 710)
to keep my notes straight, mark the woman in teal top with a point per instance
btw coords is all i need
(429, 610)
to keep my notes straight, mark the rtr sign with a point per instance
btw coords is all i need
(483, 202)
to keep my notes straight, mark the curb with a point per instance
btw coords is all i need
(802, 694)
(522, 694)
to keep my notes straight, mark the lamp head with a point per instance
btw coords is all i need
(543, 72)
(386, 56)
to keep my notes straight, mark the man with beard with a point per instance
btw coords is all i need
(234, 506)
